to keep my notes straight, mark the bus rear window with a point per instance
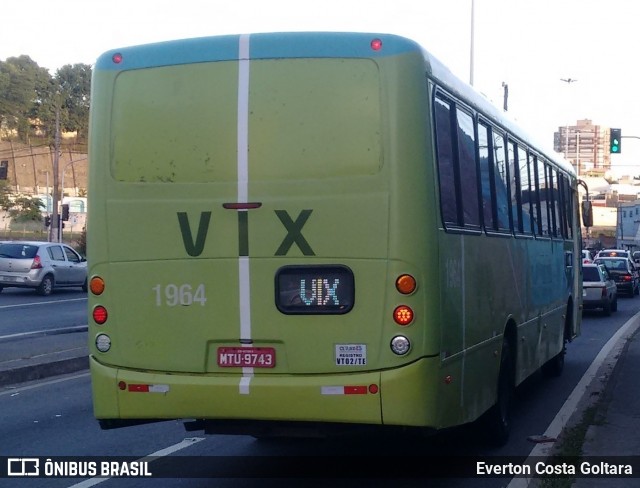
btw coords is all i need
(307, 118)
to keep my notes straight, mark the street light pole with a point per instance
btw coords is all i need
(56, 195)
(471, 54)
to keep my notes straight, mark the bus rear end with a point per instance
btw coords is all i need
(254, 259)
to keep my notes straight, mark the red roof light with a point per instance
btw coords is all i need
(376, 44)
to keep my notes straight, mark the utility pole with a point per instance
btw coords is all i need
(471, 54)
(568, 81)
(54, 228)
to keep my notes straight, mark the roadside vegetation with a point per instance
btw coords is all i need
(569, 448)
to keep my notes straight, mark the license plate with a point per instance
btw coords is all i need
(246, 357)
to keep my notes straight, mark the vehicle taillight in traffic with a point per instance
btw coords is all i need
(37, 263)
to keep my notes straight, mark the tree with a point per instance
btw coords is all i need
(5, 191)
(27, 209)
(21, 85)
(67, 92)
(20, 208)
(74, 83)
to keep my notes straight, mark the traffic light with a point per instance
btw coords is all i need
(47, 221)
(615, 138)
(65, 211)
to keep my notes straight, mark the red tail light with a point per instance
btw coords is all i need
(37, 264)
(100, 314)
(626, 278)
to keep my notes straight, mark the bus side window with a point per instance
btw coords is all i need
(485, 176)
(525, 191)
(446, 171)
(536, 213)
(514, 182)
(501, 181)
(468, 170)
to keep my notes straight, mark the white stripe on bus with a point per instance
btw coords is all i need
(243, 192)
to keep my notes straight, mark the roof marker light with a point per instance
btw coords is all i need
(376, 44)
(117, 58)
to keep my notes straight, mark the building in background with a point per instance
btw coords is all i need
(586, 146)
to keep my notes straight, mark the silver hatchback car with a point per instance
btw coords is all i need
(42, 266)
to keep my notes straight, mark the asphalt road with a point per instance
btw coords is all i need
(54, 418)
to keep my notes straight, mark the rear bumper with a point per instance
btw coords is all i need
(403, 396)
(22, 280)
(625, 287)
(589, 303)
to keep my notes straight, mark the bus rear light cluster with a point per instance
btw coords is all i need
(100, 314)
(403, 314)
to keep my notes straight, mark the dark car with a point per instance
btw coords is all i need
(623, 272)
(42, 266)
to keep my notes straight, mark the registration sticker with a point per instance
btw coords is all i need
(351, 354)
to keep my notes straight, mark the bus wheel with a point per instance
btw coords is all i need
(497, 421)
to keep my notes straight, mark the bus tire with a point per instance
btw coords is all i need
(497, 421)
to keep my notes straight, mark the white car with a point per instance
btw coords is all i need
(598, 289)
(614, 253)
(587, 258)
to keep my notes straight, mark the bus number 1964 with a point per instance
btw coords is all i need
(185, 295)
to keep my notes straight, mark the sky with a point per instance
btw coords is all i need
(529, 45)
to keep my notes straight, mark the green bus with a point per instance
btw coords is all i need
(318, 232)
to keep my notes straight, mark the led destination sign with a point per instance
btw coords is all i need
(314, 289)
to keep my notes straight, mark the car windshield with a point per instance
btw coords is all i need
(614, 264)
(591, 274)
(18, 251)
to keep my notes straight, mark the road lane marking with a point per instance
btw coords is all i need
(11, 391)
(189, 441)
(610, 352)
(43, 332)
(50, 302)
